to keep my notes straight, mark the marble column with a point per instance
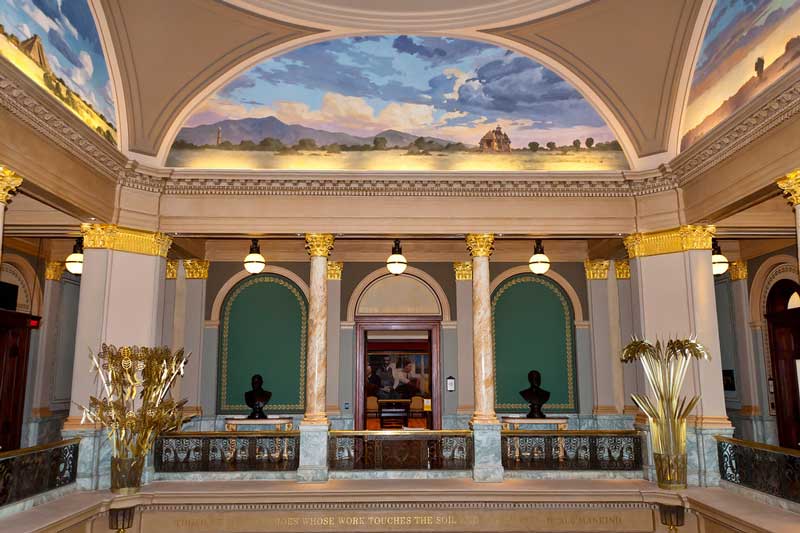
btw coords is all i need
(121, 303)
(314, 427)
(608, 390)
(632, 375)
(9, 181)
(790, 186)
(674, 297)
(464, 384)
(42, 425)
(334, 333)
(191, 289)
(485, 426)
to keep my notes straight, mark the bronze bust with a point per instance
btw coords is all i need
(535, 395)
(257, 398)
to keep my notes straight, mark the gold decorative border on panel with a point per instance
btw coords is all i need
(113, 237)
(622, 268)
(196, 268)
(681, 239)
(568, 338)
(463, 270)
(596, 268)
(226, 313)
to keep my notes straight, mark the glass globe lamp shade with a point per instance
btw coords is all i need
(74, 261)
(255, 263)
(719, 263)
(396, 263)
(539, 263)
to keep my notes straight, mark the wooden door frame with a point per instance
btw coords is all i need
(363, 324)
(786, 415)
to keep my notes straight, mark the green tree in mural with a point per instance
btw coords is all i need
(589, 142)
(306, 144)
(270, 144)
(576, 144)
(551, 145)
(534, 146)
(420, 143)
(380, 143)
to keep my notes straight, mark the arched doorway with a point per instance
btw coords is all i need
(397, 367)
(783, 322)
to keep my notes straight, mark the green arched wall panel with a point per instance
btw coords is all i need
(533, 328)
(263, 331)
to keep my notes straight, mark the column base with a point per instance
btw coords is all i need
(487, 459)
(313, 466)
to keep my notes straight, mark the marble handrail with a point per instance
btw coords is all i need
(769, 469)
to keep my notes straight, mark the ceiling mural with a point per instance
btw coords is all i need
(55, 43)
(749, 44)
(398, 103)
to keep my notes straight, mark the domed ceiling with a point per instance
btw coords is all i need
(56, 44)
(749, 44)
(397, 102)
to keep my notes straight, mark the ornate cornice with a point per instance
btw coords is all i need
(54, 270)
(670, 241)
(480, 244)
(622, 269)
(196, 268)
(596, 268)
(9, 181)
(768, 110)
(319, 244)
(335, 270)
(112, 237)
(737, 270)
(172, 269)
(463, 270)
(790, 186)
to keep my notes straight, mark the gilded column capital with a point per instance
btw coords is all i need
(54, 270)
(319, 244)
(113, 237)
(463, 270)
(737, 270)
(790, 186)
(596, 268)
(681, 239)
(622, 268)
(480, 244)
(335, 270)
(172, 269)
(9, 181)
(196, 268)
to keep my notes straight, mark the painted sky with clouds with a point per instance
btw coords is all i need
(70, 39)
(450, 88)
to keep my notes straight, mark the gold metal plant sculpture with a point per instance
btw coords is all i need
(665, 367)
(134, 408)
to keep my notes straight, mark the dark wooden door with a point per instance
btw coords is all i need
(15, 334)
(784, 343)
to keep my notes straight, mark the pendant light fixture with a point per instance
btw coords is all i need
(719, 263)
(539, 263)
(74, 261)
(255, 262)
(396, 263)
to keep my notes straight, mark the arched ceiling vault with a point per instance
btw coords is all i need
(632, 60)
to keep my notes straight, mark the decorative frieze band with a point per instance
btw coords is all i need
(680, 239)
(596, 268)
(463, 270)
(622, 268)
(112, 237)
(335, 270)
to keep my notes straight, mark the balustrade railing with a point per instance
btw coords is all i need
(400, 450)
(31, 471)
(761, 467)
(227, 451)
(571, 450)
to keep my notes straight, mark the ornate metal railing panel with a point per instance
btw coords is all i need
(227, 451)
(31, 471)
(400, 450)
(761, 467)
(571, 450)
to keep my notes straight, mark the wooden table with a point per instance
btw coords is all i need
(280, 424)
(513, 422)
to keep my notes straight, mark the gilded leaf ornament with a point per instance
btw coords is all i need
(463, 270)
(681, 239)
(480, 244)
(9, 181)
(319, 244)
(790, 186)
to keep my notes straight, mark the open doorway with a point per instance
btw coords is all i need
(397, 383)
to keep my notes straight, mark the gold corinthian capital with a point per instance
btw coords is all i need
(790, 186)
(9, 181)
(480, 244)
(319, 244)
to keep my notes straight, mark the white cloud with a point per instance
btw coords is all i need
(460, 79)
(38, 16)
(24, 30)
(86, 61)
(449, 116)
